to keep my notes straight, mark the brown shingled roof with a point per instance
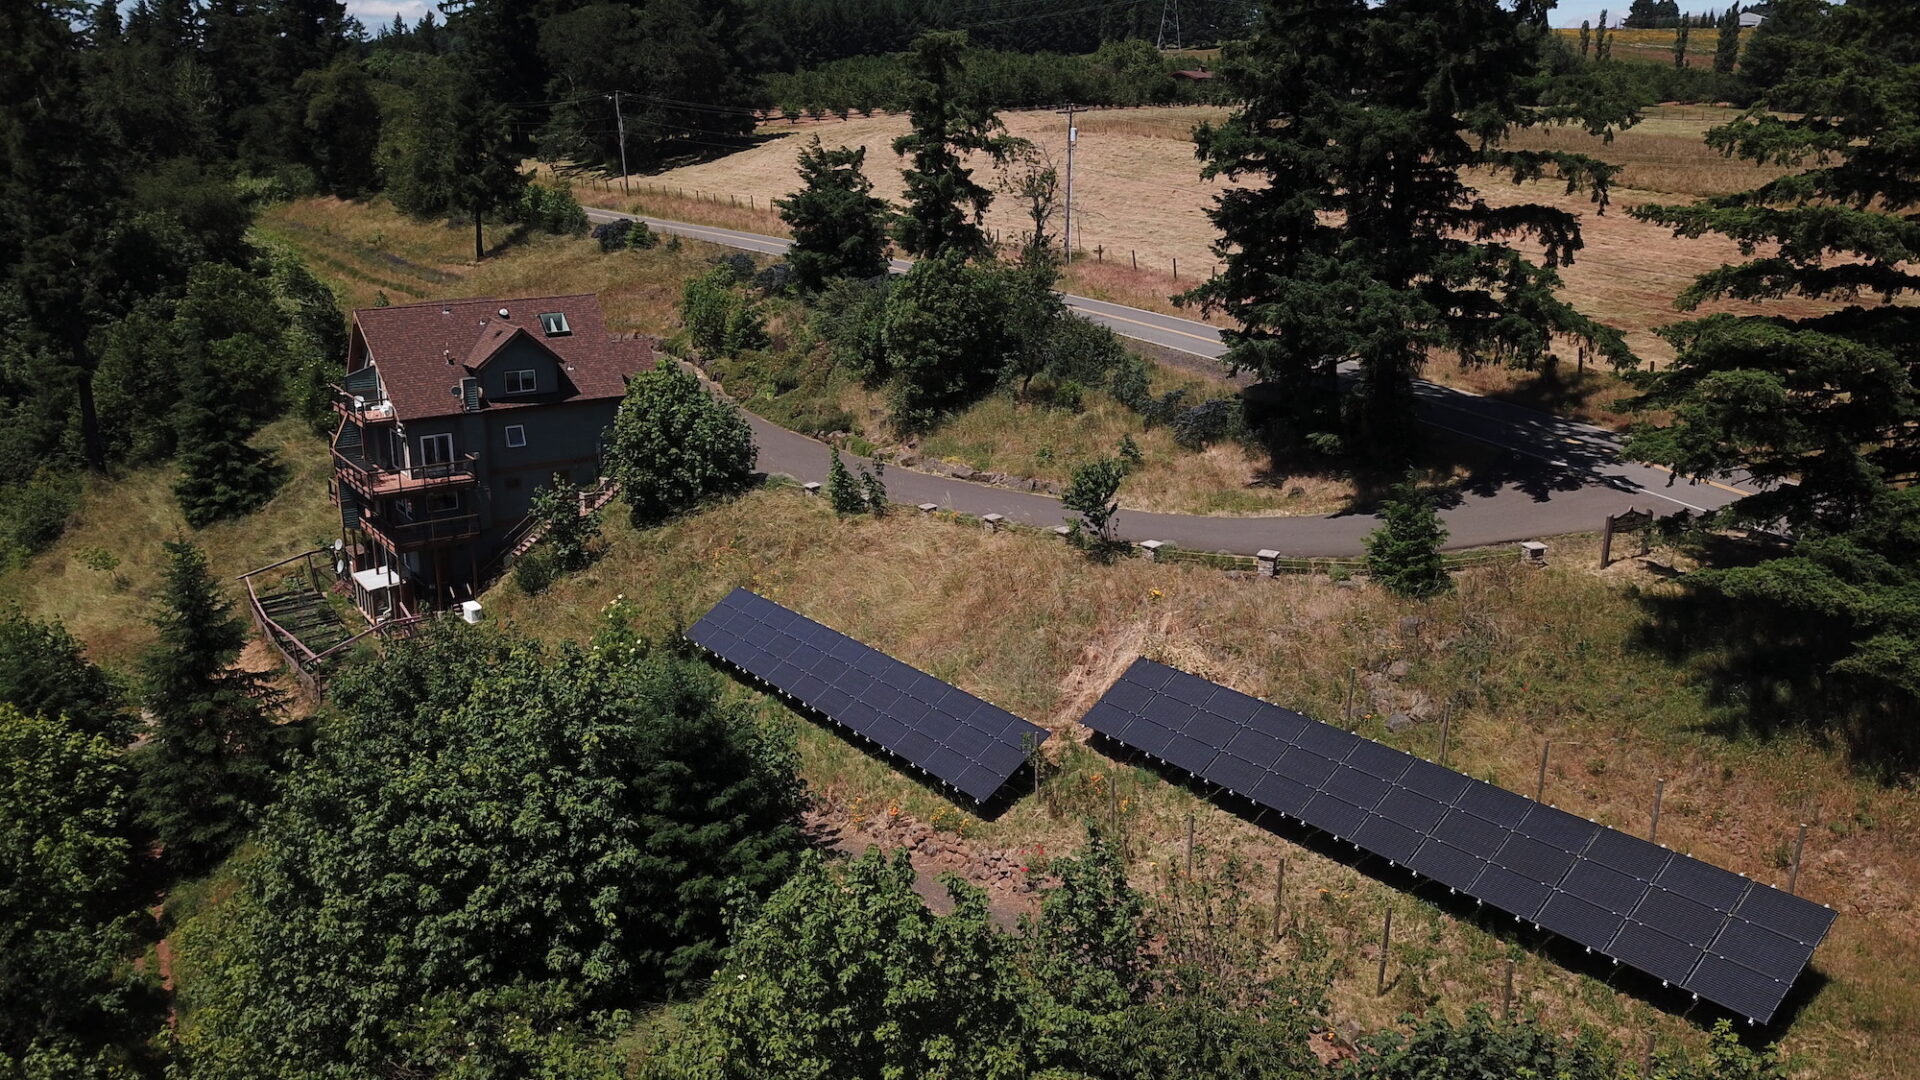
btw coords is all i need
(423, 350)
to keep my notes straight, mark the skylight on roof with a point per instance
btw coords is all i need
(555, 324)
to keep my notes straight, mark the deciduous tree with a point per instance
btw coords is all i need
(674, 445)
(65, 908)
(490, 843)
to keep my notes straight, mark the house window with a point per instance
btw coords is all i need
(436, 449)
(521, 382)
(443, 503)
(555, 324)
(516, 435)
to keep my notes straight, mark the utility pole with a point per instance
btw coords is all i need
(621, 122)
(1073, 136)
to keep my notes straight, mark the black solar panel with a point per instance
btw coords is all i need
(963, 742)
(1693, 925)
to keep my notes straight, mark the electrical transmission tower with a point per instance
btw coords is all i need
(1169, 18)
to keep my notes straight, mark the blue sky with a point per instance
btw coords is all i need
(377, 13)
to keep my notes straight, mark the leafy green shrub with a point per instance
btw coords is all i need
(1092, 492)
(1130, 454)
(1403, 555)
(1069, 395)
(36, 512)
(674, 445)
(551, 208)
(535, 571)
(569, 534)
(720, 320)
(624, 234)
(849, 493)
(1131, 384)
(576, 847)
(851, 316)
(1205, 423)
(945, 336)
(738, 265)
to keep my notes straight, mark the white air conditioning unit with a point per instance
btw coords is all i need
(470, 610)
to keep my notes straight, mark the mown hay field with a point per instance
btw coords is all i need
(1139, 200)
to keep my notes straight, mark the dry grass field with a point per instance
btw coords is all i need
(1528, 655)
(1139, 201)
(1656, 46)
(129, 517)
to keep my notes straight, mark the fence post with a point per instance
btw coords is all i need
(1189, 844)
(1506, 995)
(1136, 258)
(1386, 939)
(1540, 786)
(1659, 792)
(1793, 876)
(1279, 893)
(1446, 721)
(1346, 710)
(1176, 268)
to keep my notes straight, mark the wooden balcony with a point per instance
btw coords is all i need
(361, 410)
(428, 532)
(375, 481)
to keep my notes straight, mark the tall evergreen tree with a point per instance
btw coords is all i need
(221, 476)
(1726, 48)
(45, 672)
(944, 203)
(839, 225)
(1360, 238)
(454, 152)
(209, 770)
(1822, 410)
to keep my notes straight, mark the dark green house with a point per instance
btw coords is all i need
(452, 414)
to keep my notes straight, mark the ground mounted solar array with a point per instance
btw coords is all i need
(945, 732)
(1735, 942)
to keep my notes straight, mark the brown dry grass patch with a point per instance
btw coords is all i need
(132, 515)
(1138, 198)
(1032, 626)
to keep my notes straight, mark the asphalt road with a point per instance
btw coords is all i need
(1551, 475)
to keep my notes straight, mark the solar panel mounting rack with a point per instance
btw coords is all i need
(961, 741)
(1735, 942)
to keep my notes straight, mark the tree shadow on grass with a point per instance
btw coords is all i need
(1768, 669)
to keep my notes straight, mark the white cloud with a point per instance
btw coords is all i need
(378, 13)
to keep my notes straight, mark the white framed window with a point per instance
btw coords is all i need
(516, 435)
(555, 323)
(522, 382)
(444, 502)
(436, 449)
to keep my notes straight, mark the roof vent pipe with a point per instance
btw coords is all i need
(503, 313)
